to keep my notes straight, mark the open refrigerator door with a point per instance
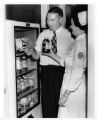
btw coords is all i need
(25, 80)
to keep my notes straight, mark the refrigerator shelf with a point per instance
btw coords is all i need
(27, 103)
(25, 93)
(21, 54)
(25, 73)
(22, 66)
(28, 110)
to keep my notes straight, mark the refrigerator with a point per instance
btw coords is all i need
(22, 79)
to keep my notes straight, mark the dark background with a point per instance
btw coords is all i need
(32, 13)
(26, 13)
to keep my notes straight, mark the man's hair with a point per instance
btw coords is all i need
(57, 10)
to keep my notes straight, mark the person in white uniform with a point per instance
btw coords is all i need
(72, 100)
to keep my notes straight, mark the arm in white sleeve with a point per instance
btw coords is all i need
(38, 47)
(77, 69)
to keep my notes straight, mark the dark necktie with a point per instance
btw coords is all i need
(54, 42)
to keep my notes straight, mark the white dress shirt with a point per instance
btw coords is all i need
(64, 41)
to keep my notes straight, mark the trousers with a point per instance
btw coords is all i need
(51, 81)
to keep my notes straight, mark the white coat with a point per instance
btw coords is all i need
(74, 80)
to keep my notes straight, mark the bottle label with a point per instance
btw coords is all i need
(46, 46)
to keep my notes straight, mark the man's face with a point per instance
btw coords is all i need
(53, 21)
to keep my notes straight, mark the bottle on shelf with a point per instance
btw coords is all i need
(24, 104)
(18, 44)
(24, 64)
(31, 82)
(31, 102)
(35, 97)
(18, 85)
(23, 44)
(19, 108)
(18, 65)
(26, 82)
(22, 85)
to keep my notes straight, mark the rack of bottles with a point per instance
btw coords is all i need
(26, 79)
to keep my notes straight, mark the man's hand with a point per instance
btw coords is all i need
(28, 52)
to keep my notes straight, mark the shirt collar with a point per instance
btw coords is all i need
(59, 29)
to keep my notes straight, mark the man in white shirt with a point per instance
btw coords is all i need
(52, 71)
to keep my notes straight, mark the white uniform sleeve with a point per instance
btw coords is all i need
(77, 69)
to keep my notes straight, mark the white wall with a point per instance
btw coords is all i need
(91, 63)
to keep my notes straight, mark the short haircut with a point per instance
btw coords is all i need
(57, 10)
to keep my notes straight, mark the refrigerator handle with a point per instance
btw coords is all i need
(27, 24)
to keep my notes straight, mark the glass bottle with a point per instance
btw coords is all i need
(23, 44)
(26, 82)
(29, 100)
(24, 103)
(46, 45)
(19, 109)
(18, 85)
(18, 65)
(31, 82)
(24, 64)
(31, 103)
(22, 85)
